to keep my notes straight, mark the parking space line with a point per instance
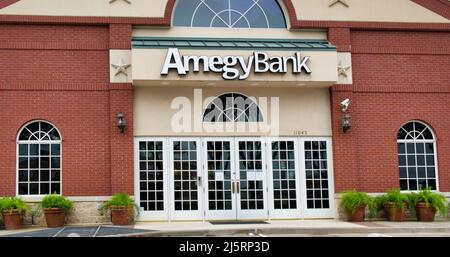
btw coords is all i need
(59, 232)
(98, 229)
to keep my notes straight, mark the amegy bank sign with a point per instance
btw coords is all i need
(234, 67)
(179, 65)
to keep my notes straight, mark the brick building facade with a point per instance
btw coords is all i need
(56, 67)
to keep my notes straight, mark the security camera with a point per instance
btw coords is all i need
(344, 104)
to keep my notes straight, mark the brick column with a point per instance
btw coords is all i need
(121, 100)
(345, 156)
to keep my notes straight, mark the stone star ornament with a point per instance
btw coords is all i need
(121, 67)
(343, 2)
(342, 70)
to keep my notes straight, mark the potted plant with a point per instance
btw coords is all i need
(13, 209)
(122, 209)
(394, 203)
(427, 203)
(354, 204)
(56, 207)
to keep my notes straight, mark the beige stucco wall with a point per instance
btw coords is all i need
(303, 111)
(359, 10)
(366, 10)
(137, 8)
(148, 63)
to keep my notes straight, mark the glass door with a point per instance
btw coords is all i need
(151, 178)
(317, 178)
(251, 180)
(220, 202)
(186, 179)
(283, 176)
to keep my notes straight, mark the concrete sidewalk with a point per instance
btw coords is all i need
(303, 227)
(279, 227)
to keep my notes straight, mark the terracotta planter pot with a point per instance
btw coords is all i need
(12, 220)
(121, 216)
(54, 217)
(395, 214)
(425, 213)
(358, 215)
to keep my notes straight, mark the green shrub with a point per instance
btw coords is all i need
(438, 201)
(352, 200)
(57, 201)
(120, 200)
(393, 196)
(13, 204)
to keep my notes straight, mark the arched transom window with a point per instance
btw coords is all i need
(232, 107)
(229, 14)
(39, 159)
(416, 156)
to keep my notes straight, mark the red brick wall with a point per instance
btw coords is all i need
(397, 76)
(340, 38)
(61, 74)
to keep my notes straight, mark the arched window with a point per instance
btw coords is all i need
(229, 14)
(39, 159)
(232, 107)
(416, 156)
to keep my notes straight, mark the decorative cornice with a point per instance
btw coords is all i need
(358, 88)
(311, 24)
(44, 86)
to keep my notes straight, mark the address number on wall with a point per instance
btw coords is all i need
(300, 132)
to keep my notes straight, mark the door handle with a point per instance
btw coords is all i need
(232, 187)
(236, 187)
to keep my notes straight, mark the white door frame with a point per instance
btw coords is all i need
(261, 214)
(193, 214)
(268, 212)
(317, 213)
(218, 214)
(284, 213)
(151, 215)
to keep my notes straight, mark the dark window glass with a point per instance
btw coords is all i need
(39, 143)
(232, 107)
(416, 156)
(317, 191)
(229, 14)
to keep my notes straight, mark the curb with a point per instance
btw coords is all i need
(271, 231)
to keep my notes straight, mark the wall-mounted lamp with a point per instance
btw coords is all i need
(346, 118)
(121, 123)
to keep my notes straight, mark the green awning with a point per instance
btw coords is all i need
(233, 43)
